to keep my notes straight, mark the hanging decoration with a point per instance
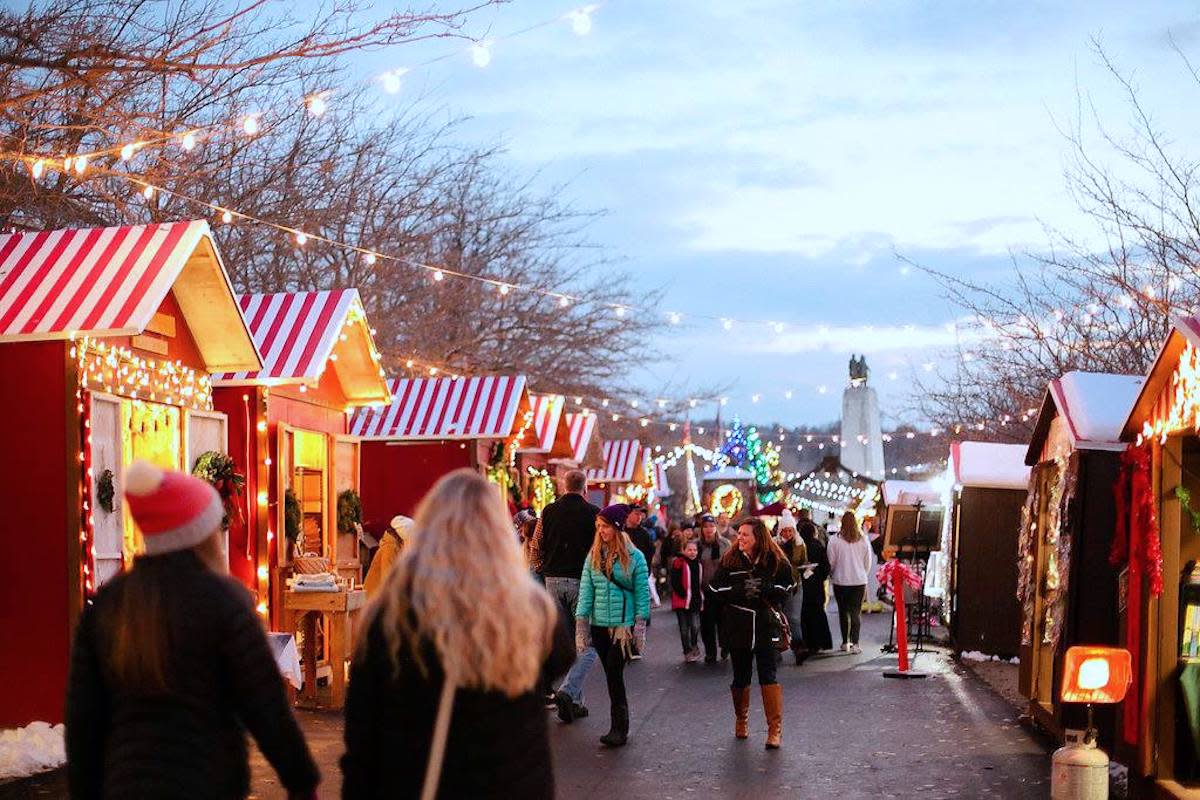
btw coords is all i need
(116, 370)
(220, 470)
(1185, 501)
(349, 512)
(1137, 547)
(541, 489)
(500, 471)
(726, 499)
(105, 491)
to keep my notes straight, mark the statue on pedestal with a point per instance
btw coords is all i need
(859, 371)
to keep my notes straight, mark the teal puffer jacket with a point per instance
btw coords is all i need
(617, 602)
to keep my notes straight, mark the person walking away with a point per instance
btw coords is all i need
(526, 522)
(458, 614)
(643, 539)
(614, 602)
(814, 624)
(170, 665)
(391, 544)
(712, 547)
(752, 582)
(796, 552)
(564, 536)
(850, 560)
(687, 599)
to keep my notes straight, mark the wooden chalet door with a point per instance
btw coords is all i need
(108, 527)
(206, 431)
(345, 477)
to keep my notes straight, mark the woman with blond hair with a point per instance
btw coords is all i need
(614, 604)
(752, 583)
(850, 561)
(444, 689)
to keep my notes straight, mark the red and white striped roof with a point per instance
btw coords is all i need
(659, 471)
(111, 281)
(624, 459)
(297, 333)
(425, 409)
(581, 427)
(549, 426)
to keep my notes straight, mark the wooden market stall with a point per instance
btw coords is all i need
(624, 474)
(1157, 543)
(107, 340)
(434, 426)
(540, 466)
(1066, 585)
(987, 484)
(289, 435)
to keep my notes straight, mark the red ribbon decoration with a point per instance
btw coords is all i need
(896, 574)
(1136, 543)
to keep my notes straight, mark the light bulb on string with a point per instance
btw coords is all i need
(581, 20)
(391, 80)
(778, 326)
(301, 238)
(505, 288)
(727, 324)
(563, 301)
(81, 163)
(127, 152)
(227, 217)
(317, 104)
(148, 192)
(188, 142)
(620, 311)
(37, 168)
(481, 54)
(250, 125)
(674, 317)
(438, 275)
(370, 259)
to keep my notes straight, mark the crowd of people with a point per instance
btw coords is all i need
(447, 695)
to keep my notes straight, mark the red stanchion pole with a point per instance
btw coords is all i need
(901, 622)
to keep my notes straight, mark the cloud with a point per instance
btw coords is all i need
(865, 339)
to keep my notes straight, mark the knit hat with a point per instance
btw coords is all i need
(615, 515)
(786, 520)
(174, 511)
(401, 525)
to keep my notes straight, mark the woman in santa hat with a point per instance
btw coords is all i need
(171, 667)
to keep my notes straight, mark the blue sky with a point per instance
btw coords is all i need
(766, 160)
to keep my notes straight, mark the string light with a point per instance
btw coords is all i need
(37, 169)
(317, 105)
(481, 54)
(392, 80)
(127, 152)
(188, 142)
(250, 125)
(581, 20)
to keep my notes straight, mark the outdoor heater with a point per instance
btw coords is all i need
(1079, 769)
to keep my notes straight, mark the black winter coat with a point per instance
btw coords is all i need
(568, 528)
(189, 742)
(497, 747)
(746, 591)
(643, 540)
(814, 585)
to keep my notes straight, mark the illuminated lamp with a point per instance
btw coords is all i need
(1090, 675)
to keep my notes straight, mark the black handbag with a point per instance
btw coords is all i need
(785, 629)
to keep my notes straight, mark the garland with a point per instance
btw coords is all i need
(105, 492)
(293, 517)
(349, 511)
(1185, 500)
(220, 470)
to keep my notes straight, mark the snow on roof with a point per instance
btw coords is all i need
(729, 473)
(1095, 406)
(909, 493)
(988, 465)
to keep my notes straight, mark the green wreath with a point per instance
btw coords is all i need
(293, 517)
(105, 491)
(349, 511)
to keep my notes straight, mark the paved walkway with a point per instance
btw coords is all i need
(848, 734)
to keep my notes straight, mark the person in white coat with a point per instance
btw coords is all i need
(850, 562)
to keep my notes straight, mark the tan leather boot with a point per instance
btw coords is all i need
(772, 697)
(741, 712)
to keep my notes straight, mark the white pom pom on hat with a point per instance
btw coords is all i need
(173, 511)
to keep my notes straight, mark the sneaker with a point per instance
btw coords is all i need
(845, 648)
(636, 657)
(566, 707)
(855, 649)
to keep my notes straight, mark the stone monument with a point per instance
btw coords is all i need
(862, 435)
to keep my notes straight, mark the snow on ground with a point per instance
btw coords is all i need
(35, 748)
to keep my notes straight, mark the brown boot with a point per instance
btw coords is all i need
(772, 697)
(741, 712)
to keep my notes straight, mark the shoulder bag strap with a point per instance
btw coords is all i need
(437, 748)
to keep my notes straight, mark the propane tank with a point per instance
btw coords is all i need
(1079, 770)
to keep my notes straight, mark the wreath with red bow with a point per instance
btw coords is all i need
(220, 470)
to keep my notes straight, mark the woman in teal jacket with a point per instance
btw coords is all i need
(614, 604)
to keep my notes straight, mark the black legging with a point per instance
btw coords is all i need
(708, 629)
(613, 661)
(849, 602)
(744, 661)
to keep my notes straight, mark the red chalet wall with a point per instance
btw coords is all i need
(396, 477)
(35, 594)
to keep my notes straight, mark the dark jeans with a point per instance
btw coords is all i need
(744, 661)
(849, 603)
(613, 661)
(708, 630)
(689, 629)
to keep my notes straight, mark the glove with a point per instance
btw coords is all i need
(808, 573)
(583, 634)
(639, 634)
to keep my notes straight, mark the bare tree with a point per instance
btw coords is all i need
(1100, 303)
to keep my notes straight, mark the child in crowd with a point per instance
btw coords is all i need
(687, 598)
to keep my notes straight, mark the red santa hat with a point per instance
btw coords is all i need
(174, 511)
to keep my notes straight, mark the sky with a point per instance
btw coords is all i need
(772, 162)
